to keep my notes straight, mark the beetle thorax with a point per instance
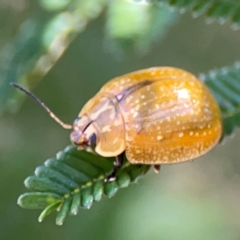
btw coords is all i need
(100, 124)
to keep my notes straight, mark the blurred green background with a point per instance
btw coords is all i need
(197, 200)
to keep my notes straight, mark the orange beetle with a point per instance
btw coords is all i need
(160, 115)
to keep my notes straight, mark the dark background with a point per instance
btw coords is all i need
(196, 200)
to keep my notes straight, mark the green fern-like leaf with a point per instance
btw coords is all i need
(225, 86)
(72, 180)
(213, 9)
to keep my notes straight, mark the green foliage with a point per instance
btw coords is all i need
(225, 86)
(72, 180)
(213, 9)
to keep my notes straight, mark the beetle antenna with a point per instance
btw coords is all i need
(36, 99)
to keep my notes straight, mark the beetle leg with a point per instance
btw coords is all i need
(117, 165)
(156, 168)
(119, 161)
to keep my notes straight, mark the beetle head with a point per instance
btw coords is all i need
(84, 133)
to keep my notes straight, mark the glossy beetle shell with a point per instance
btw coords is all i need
(157, 116)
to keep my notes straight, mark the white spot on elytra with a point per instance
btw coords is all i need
(180, 134)
(122, 81)
(183, 93)
(159, 138)
(153, 73)
(135, 114)
(137, 127)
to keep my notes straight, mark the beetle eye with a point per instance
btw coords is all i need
(92, 140)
